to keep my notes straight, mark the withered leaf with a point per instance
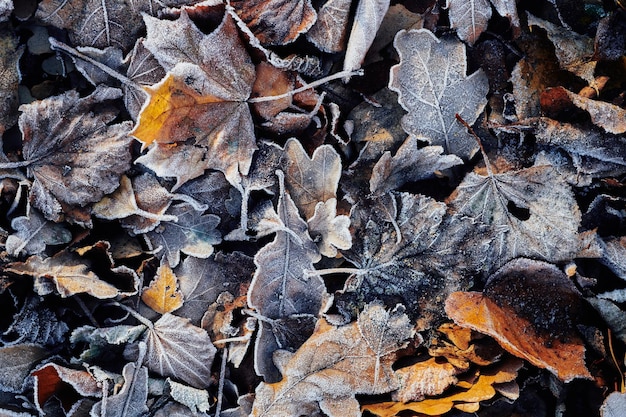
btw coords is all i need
(310, 179)
(195, 399)
(131, 399)
(608, 116)
(203, 280)
(35, 322)
(193, 234)
(282, 285)
(180, 350)
(406, 250)
(433, 87)
(72, 152)
(614, 405)
(335, 364)
(68, 273)
(469, 18)
(427, 378)
(329, 32)
(531, 309)
(9, 79)
(276, 22)
(532, 211)
(369, 15)
(33, 233)
(100, 339)
(163, 295)
(16, 362)
(329, 230)
(410, 163)
(176, 160)
(51, 378)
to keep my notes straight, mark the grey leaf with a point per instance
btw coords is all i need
(469, 18)
(34, 233)
(131, 400)
(16, 362)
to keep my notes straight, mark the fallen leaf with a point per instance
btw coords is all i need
(6, 8)
(102, 339)
(614, 405)
(433, 87)
(276, 22)
(530, 308)
(73, 153)
(336, 363)
(9, 80)
(310, 180)
(51, 379)
(608, 116)
(469, 18)
(427, 378)
(16, 362)
(195, 399)
(329, 32)
(131, 399)
(35, 322)
(410, 163)
(180, 350)
(33, 234)
(329, 230)
(532, 212)
(193, 234)
(162, 294)
(209, 88)
(367, 19)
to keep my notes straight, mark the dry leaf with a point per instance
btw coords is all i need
(531, 309)
(16, 362)
(163, 295)
(180, 350)
(427, 378)
(614, 405)
(532, 211)
(329, 32)
(131, 399)
(35, 323)
(329, 230)
(195, 399)
(51, 378)
(433, 87)
(9, 79)
(73, 153)
(469, 18)
(33, 233)
(336, 363)
(367, 19)
(608, 116)
(276, 22)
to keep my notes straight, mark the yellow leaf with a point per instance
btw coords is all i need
(162, 295)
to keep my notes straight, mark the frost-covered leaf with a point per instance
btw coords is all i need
(531, 308)
(427, 378)
(73, 153)
(282, 285)
(614, 256)
(33, 233)
(608, 116)
(329, 230)
(335, 364)
(51, 379)
(532, 212)
(101, 339)
(329, 32)
(310, 179)
(369, 15)
(204, 95)
(469, 18)
(614, 405)
(180, 161)
(193, 234)
(410, 163)
(276, 22)
(9, 78)
(6, 8)
(16, 362)
(433, 87)
(180, 350)
(35, 322)
(201, 281)
(68, 273)
(162, 294)
(131, 399)
(195, 399)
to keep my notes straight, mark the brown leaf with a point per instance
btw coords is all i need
(469, 18)
(9, 79)
(608, 116)
(367, 19)
(276, 22)
(336, 363)
(178, 349)
(531, 309)
(329, 230)
(329, 32)
(51, 378)
(427, 378)
(16, 362)
(433, 87)
(72, 152)
(163, 295)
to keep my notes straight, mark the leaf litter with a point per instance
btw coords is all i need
(311, 208)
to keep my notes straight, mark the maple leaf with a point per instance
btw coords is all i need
(336, 363)
(433, 87)
(281, 287)
(33, 233)
(162, 294)
(193, 233)
(73, 153)
(532, 212)
(530, 308)
(178, 349)
(369, 15)
(276, 22)
(204, 94)
(404, 249)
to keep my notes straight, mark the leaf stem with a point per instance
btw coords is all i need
(324, 80)
(220, 385)
(480, 143)
(141, 319)
(328, 271)
(13, 165)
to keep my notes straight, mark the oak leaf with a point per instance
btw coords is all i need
(531, 309)
(73, 153)
(162, 294)
(180, 350)
(433, 87)
(336, 363)
(532, 212)
(276, 22)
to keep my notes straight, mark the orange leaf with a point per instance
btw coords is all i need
(162, 295)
